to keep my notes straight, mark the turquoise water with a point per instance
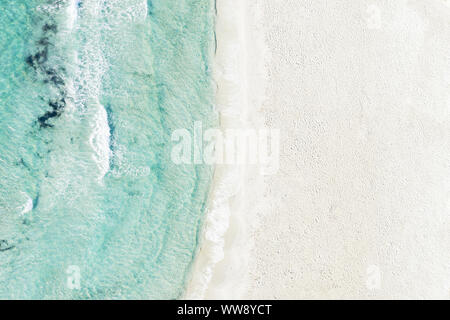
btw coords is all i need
(90, 92)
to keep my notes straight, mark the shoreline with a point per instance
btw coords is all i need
(219, 269)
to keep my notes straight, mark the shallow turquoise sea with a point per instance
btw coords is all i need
(91, 205)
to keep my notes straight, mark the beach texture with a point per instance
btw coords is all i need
(360, 206)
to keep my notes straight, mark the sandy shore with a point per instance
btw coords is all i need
(360, 207)
(221, 267)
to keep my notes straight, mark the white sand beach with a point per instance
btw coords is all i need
(360, 205)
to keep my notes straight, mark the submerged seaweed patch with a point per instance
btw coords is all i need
(38, 61)
(50, 27)
(57, 109)
(5, 246)
(150, 7)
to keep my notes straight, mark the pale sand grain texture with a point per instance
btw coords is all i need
(360, 207)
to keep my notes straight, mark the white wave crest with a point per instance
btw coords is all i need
(72, 14)
(27, 206)
(99, 141)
